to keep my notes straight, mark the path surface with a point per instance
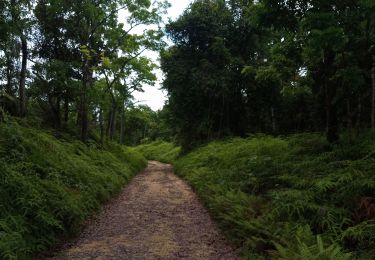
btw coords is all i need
(157, 216)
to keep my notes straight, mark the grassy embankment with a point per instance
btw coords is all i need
(159, 151)
(289, 198)
(49, 186)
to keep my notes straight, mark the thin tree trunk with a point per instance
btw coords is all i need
(83, 106)
(273, 119)
(22, 95)
(222, 115)
(359, 112)
(58, 112)
(373, 93)
(84, 114)
(112, 119)
(113, 124)
(331, 115)
(66, 111)
(12, 53)
(9, 70)
(330, 88)
(109, 124)
(55, 108)
(349, 123)
(101, 123)
(122, 125)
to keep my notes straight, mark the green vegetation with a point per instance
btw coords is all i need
(86, 85)
(296, 197)
(236, 68)
(160, 151)
(270, 66)
(142, 125)
(49, 185)
(289, 67)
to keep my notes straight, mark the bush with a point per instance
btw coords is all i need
(160, 151)
(49, 186)
(262, 190)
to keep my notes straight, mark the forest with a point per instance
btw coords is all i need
(275, 67)
(269, 117)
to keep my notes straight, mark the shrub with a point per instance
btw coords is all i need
(160, 151)
(263, 189)
(49, 186)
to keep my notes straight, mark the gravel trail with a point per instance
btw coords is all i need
(157, 216)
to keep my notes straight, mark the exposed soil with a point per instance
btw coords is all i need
(157, 216)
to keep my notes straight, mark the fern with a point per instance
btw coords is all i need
(362, 235)
(263, 188)
(302, 248)
(47, 189)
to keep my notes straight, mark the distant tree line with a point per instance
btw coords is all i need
(75, 64)
(143, 125)
(279, 67)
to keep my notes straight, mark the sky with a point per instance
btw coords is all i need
(152, 95)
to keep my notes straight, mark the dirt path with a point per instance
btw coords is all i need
(157, 216)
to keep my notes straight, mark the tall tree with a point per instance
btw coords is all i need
(20, 15)
(16, 26)
(75, 41)
(368, 10)
(270, 66)
(99, 23)
(213, 42)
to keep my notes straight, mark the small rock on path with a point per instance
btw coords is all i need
(157, 216)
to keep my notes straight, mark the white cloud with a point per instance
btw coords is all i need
(178, 6)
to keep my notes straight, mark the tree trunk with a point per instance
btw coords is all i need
(55, 108)
(373, 93)
(273, 120)
(109, 124)
(122, 125)
(112, 118)
(113, 123)
(330, 89)
(9, 70)
(86, 77)
(84, 114)
(22, 94)
(58, 112)
(359, 112)
(66, 111)
(349, 123)
(331, 114)
(101, 123)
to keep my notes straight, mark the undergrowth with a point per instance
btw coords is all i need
(49, 186)
(160, 151)
(289, 198)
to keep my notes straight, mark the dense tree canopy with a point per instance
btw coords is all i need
(235, 67)
(238, 67)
